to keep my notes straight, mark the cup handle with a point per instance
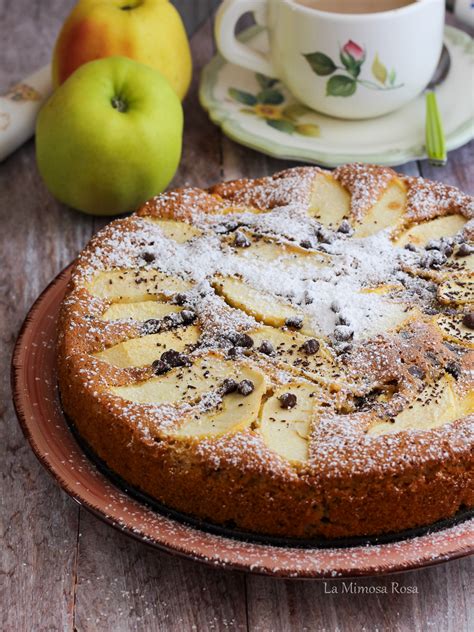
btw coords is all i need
(229, 46)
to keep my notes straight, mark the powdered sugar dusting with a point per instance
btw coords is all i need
(426, 200)
(365, 183)
(292, 186)
(352, 265)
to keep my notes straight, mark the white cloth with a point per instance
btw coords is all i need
(19, 108)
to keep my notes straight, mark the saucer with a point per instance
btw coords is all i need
(276, 124)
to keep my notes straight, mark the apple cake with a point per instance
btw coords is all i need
(290, 356)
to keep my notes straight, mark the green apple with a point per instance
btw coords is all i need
(110, 137)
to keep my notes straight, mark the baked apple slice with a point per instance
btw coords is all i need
(234, 412)
(457, 291)
(306, 355)
(263, 307)
(186, 383)
(140, 311)
(421, 234)
(330, 201)
(266, 249)
(286, 418)
(440, 402)
(458, 265)
(138, 352)
(176, 231)
(453, 329)
(131, 286)
(455, 266)
(384, 288)
(387, 212)
(390, 316)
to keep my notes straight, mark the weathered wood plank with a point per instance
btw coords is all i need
(124, 585)
(459, 171)
(38, 523)
(201, 160)
(439, 604)
(195, 13)
(242, 162)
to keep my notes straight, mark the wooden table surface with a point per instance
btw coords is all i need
(60, 567)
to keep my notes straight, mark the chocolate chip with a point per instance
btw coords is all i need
(231, 225)
(432, 357)
(345, 227)
(416, 371)
(344, 348)
(468, 320)
(245, 387)
(325, 237)
(180, 299)
(342, 333)
(233, 353)
(245, 341)
(232, 336)
(159, 367)
(306, 243)
(433, 259)
(240, 340)
(410, 247)
(151, 326)
(296, 322)
(343, 320)
(464, 250)
(241, 241)
(335, 307)
(267, 348)
(310, 346)
(434, 244)
(173, 320)
(229, 386)
(188, 316)
(453, 369)
(287, 400)
(175, 359)
(148, 257)
(448, 250)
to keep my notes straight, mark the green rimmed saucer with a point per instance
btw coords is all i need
(261, 113)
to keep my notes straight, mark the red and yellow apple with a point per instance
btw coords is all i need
(148, 31)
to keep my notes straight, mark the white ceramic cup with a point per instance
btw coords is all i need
(350, 66)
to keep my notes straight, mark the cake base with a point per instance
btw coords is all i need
(228, 531)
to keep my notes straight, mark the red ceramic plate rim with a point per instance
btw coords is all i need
(39, 412)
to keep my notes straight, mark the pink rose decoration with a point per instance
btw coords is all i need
(354, 50)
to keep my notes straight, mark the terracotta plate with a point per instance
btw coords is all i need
(39, 411)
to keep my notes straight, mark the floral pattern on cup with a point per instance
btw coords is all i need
(269, 104)
(352, 57)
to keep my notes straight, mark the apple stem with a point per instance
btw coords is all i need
(131, 5)
(119, 104)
